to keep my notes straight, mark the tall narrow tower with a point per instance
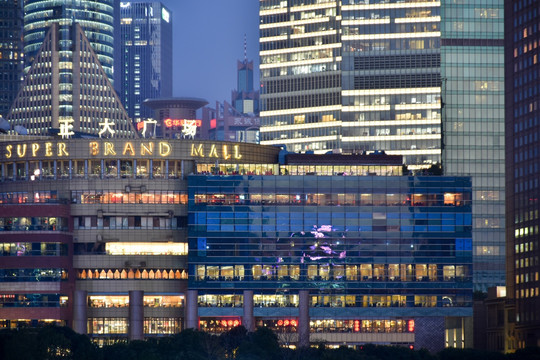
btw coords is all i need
(11, 52)
(522, 164)
(145, 59)
(245, 99)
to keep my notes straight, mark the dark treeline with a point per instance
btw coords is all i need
(62, 343)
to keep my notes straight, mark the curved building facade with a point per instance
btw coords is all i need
(94, 17)
(140, 238)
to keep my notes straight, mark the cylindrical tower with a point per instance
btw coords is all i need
(95, 18)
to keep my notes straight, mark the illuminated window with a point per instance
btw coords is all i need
(123, 248)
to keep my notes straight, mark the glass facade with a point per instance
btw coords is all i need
(391, 87)
(300, 52)
(423, 79)
(472, 69)
(145, 64)
(95, 18)
(402, 243)
(522, 188)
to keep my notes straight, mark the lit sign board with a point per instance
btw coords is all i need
(128, 148)
(165, 15)
(181, 122)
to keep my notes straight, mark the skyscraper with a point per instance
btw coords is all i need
(95, 18)
(11, 55)
(418, 79)
(522, 156)
(145, 56)
(68, 92)
(245, 99)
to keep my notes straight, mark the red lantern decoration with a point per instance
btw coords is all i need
(411, 326)
(286, 323)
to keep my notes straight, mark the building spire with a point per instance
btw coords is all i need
(245, 48)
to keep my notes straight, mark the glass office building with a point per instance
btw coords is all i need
(472, 70)
(522, 188)
(420, 79)
(145, 56)
(94, 17)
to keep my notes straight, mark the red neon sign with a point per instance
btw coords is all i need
(411, 326)
(181, 122)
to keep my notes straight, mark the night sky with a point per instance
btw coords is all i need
(208, 39)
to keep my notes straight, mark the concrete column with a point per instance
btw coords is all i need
(79, 311)
(248, 320)
(303, 318)
(192, 310)
(136, 315)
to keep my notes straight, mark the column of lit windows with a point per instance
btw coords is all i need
(300, 61)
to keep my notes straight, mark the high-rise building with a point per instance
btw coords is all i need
(94, 16)
(522, 157)
(420, 79)
(245, 99)
(68, 92)
(145, 56)
(472, 70)
(11, 54)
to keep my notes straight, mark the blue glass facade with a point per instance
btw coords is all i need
(356, 243)
(145, 59)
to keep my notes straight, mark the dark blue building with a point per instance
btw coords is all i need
(385, 259)
(145, 58)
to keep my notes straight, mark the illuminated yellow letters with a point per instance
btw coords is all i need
(226, 155)
(197, 151)
(62, 149)
(21, 150)
(165, 148)
(147, 149)
(237, 154)
(213, 151)
(94, 148)
(128, 148)
(8, 149)
(109, 149)
(48, 149)
(35, 148)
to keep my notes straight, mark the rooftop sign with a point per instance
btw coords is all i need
(109, 149)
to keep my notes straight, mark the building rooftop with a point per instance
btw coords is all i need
(183, 102)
